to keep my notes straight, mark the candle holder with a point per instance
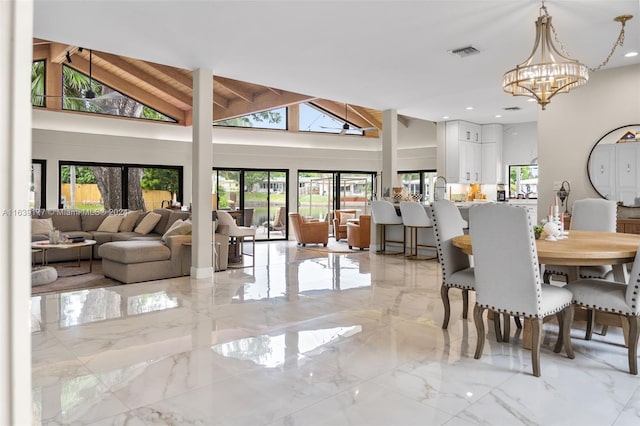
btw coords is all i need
(563, 194)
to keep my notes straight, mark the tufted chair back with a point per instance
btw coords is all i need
(447, 224)
(505, 260)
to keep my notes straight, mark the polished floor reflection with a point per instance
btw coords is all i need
(307, 338)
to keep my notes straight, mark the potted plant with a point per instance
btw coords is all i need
(537, 231)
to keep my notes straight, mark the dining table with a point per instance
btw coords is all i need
(580, 248)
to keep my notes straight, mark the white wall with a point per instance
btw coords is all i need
(573, 123)
(80, 137)
(520, 143)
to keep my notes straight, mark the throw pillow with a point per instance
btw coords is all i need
(41, 226)
(181, 228)
(344, 217)
(148, 223)
(129, 221)
(110, 223)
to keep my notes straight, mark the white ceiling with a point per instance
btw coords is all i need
(378, 54)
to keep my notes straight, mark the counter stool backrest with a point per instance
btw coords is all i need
(384, 213)
(414, 214)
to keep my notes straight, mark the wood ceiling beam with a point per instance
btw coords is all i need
(128, 89)
(136, 72)
(40, 52)
(186, 81)
(58, 52)
(276, 91)
(366, 116)
(237, 87)
(263, 102)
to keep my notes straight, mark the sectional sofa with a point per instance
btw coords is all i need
(122, 243)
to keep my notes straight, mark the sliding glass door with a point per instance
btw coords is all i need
(260, 196)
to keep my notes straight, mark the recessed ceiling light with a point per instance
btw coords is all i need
(531, 100)
(469, 108)
(630, 54)
(498, 116)
(446, 117)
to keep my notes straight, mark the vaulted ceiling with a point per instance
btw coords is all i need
(169, 90)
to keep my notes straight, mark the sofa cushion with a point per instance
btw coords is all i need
(41, 226)
(173, 216)
(92, 220)
(67, 222)
(148, 223)
(135, 251)
(128, 236)
(110, 224)
(161, 226)
(344, 217)
(101, 237)
(129, 221)
(177, 228)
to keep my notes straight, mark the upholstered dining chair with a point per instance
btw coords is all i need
(240, 233)
(507, 277)
(383, 213)
(359, 233)
(456, 269)
(614, 298)
(340, 220)
(414, 217)
(589, 214)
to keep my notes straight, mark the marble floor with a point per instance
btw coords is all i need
(307, 338)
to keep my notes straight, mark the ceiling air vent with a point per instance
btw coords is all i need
(514, 108)
(463, 52)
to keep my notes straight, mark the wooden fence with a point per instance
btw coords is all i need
(88, 195)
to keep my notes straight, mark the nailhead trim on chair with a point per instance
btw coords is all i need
(522, 314)
(601, 309)
(440, 255)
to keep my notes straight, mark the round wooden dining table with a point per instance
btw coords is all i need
(580, 248)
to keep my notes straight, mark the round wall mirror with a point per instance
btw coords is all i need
(614, 165)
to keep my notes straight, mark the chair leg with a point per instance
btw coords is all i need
(560, 316)
(477, 319)
(634, 333)
(465, 303)
(516, 319)
(444, 294)
(536, 325)
(507, 327)
(566, 331)
(605, 328)
(497, 328)
(591, 319)
(546, 277)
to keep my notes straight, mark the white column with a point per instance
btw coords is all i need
(389, 166)
(16, 33)
(389, 151)
(202, 162)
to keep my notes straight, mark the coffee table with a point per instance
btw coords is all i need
(44, 246)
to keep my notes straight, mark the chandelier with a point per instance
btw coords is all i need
(547, 71)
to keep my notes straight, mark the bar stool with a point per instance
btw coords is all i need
(240, 233)
(383, 213)
(414, 217)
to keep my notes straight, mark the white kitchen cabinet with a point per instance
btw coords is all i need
(602, 163)
(463, 152)
(627, 175)
(492, 167)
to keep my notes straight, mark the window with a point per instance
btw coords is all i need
(315, 119)
(523, 181)
(272, 119)
(96, 186)
(75, 86)
(37, 190)
(419, 182)
(37, 83)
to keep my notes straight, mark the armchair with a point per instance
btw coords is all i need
(316, 232)
(340, 223)
(359, 234)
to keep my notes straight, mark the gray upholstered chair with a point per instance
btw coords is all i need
(456, 269)
(590, 214)
(617, 298)
(383, 213)
(241, 233)
(507, 277)
(415, 217)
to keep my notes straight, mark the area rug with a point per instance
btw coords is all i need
(75, 282)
